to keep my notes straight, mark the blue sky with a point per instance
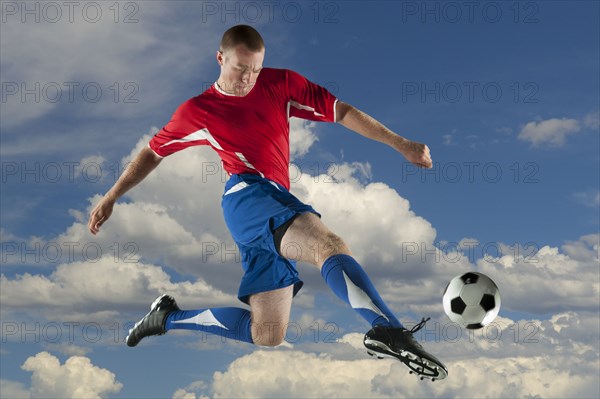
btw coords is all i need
(505, 94)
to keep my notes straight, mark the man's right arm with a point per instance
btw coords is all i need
(144, 163)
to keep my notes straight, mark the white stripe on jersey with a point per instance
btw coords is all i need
(304, 107)
(248, 164)
(202, 134)
(334, 114)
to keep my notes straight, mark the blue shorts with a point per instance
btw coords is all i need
(254, 207)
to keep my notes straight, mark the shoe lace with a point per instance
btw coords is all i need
(419, 325)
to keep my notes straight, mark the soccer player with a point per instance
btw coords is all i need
(244, 116)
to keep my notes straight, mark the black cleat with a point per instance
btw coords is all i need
(154, 322)
(399, 343)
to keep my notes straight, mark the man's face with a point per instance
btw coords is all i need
(239, 69)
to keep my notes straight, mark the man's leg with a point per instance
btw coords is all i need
(308, 240)
(265, 325)
(271, 315)
(229, 322)
(388, 338)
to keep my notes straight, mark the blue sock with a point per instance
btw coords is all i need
(233, 323)
(351, 284)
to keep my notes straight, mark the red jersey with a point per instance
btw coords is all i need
(250, 133)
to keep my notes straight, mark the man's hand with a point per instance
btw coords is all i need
(136, 171)
(416, 153)
(100, 214)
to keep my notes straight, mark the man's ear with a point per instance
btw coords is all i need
(220, 57)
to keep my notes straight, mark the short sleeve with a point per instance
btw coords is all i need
(308, 100)
(183, 130)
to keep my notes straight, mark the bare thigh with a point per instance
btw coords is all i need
(309, 240)
(270, 315)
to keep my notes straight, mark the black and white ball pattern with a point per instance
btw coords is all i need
(472, 300)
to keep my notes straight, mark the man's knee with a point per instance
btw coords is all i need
(334, 244)
(270, 312)
(331, 244)
(268, 333)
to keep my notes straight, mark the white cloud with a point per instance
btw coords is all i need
(592, 120)
(588, 198)
(187, 187)
(584, 249)
(552, 132)
(301, 137)
(90, 168)
(554, 358)
(295, 374)
(183, 394)
(510, 377)
(189, 392)
(55, 55)
(76, 378)
(14, 390)
(136, 228)
(544, 279)
(298, 374)
(101, 290)
(173, 217)
(377, 220)
(6, 236)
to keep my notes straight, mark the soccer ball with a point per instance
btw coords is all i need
(472, 300)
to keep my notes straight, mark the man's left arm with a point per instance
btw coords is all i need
(363, 124)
